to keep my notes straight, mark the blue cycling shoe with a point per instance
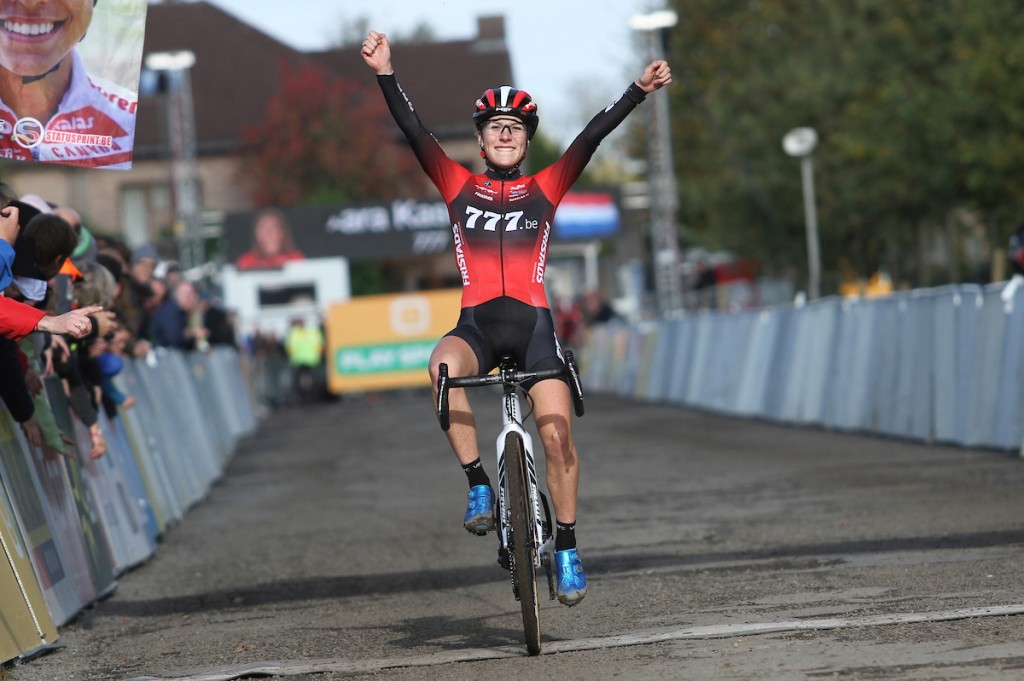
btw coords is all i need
(480, 510)
(570, 582)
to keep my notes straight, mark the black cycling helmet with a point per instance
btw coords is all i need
(507, 101)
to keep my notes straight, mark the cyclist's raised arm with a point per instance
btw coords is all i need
(654, 77)
(376, 53)
(445, 173)
(559, 177)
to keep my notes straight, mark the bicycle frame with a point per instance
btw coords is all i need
(542, 539)
(524, 510)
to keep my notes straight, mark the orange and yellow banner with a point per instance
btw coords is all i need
(384, 342)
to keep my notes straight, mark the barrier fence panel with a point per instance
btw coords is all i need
(1009, 424)
(191, 425)
(124, 507)
(822, 325)
(594, 359)
(215, 418)
(227, 390)
(683, 332)
(729, 356)
(943, 364)
(855, 359)
(757, 361)
(781, 369)
(969, 309)
(883, 386)
(633, 356)
(69, 523)
(138, 493)
(945, 311)
(27, 628)
(141, 431)
(86, 503)
(989, 355)
(663, 363)
(793, 387)
(58, 558)
(648, 386)
(700, 359)
(919, 351)
(167, 427)
(618, 369)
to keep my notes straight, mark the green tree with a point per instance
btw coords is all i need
(918, 106)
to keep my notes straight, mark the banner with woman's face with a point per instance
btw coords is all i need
(69, 80)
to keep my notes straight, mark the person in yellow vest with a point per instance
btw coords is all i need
(305, 347)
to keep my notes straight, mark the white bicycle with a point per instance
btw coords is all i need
(525, 538)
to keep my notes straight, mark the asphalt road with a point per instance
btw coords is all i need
(715, 548)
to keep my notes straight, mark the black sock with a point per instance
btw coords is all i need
(565, 536)
(476, 474)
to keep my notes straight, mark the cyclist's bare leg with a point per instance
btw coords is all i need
(551, 405)
(461, 361)
(551, 402)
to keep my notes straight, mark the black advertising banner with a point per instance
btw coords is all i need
(69, 81)
(402, 228)
(269, 238)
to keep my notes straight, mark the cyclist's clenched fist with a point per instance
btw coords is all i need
(376, 53)
(656, 76)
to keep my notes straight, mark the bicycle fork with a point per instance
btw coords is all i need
(542, 536)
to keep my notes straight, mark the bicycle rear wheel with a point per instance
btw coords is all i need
(524, 549)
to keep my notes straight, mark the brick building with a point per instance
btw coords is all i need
(234, 74)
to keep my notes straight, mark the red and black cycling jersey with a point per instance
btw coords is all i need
(502, 222)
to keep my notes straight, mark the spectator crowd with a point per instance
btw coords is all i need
(77, 306)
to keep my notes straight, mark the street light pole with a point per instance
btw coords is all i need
(800, 143)
(182, 136)
(661, 175)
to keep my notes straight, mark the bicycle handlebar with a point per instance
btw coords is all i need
(505, 376)
(514, 377)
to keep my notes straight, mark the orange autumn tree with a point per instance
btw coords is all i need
(326, 140)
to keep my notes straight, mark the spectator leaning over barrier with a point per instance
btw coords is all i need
(77, 365)
(111, 363)
(85, 248)
(144, 292)
(47, 242)
(177, 323)
(124, 309)
(97, 286)
(17, 319)
(218, 322)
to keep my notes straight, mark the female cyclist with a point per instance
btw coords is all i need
(501, 228)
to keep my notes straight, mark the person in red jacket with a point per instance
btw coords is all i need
(501, 224)
(17, 319)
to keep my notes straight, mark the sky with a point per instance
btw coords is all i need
(573, 56)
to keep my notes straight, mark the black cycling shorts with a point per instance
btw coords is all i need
(506, 326)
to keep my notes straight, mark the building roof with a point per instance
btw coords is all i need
(442, 79)
(237, 66)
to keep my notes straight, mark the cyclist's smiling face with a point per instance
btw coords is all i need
(35, 35)
(504, 141)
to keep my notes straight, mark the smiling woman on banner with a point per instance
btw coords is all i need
(52, 109)
(272, 243)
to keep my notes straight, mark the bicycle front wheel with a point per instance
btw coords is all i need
(524, 548)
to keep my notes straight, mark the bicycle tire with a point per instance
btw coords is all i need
(524, 572)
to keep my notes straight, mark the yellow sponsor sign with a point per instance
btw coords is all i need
(384, 342)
